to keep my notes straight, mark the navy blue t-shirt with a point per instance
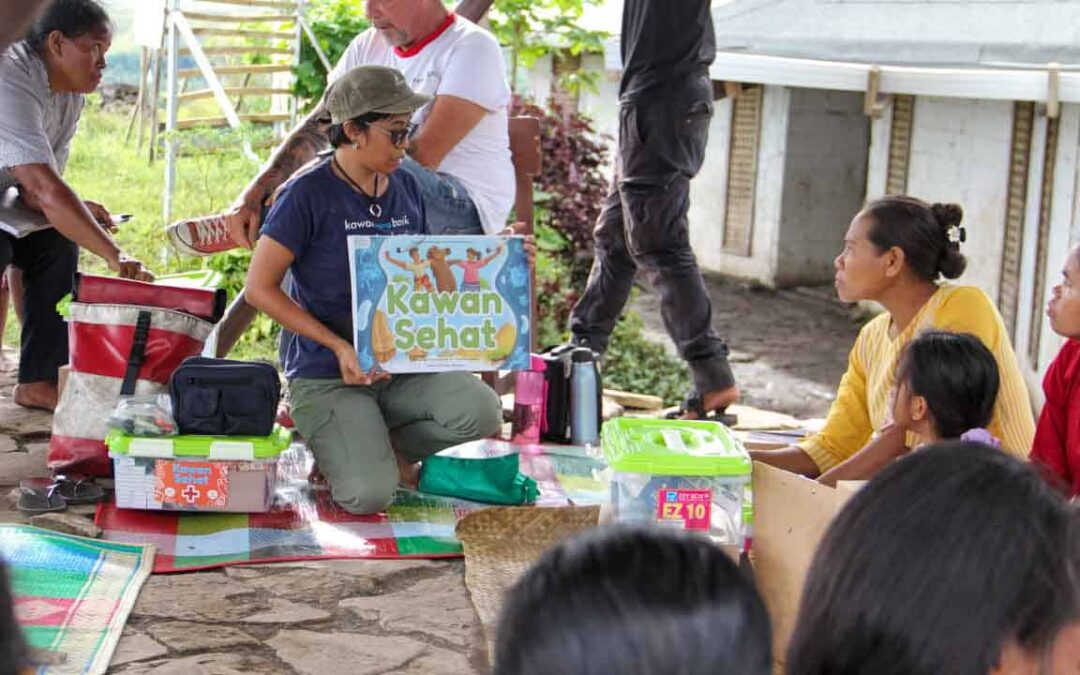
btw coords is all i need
(313, 217)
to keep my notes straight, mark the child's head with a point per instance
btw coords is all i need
(1064, 307)
(472, 254)
(956, 559)
(633, 601)
(414, 253)
(946, 384)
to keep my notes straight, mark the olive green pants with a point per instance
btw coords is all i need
(354, 431)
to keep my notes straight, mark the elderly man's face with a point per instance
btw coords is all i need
(398, 20)
(16, 17)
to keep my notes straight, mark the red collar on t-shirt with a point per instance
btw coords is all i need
(427, 39)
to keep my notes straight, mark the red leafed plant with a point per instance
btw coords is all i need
(572, 180)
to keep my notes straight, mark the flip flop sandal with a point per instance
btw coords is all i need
(693, 403)
(33, 501)
(79, 490)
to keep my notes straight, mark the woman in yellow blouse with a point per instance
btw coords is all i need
(895, 251)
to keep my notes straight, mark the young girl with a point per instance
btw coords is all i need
(472, 265)
(366, 430)
(946, 387)
(1057, 438)
(896, 251)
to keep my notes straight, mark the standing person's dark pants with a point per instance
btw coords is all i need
(48, 261)
(662, 138)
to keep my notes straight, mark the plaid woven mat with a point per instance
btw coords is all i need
(306, 524)
(73, 595)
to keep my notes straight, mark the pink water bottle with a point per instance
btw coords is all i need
(528, 404)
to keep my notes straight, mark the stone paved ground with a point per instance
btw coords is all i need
(355, 616)
(788, 347)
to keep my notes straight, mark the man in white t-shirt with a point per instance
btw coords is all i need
(460, 153)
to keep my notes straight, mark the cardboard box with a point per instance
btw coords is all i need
(62, 378)
(791, 515)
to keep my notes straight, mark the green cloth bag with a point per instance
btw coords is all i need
(492, 480)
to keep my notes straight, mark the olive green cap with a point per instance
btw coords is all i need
(371, 89)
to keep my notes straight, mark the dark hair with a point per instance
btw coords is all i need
(336, 133)
(633, 601)
(14, 653)
(958, 377)
(936, 565)
(71, 17)
(921, 231)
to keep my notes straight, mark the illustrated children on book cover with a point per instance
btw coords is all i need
(428, 303)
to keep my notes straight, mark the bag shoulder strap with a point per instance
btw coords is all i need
(137, 356)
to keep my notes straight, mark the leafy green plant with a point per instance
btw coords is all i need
(534, 28)
(634, 363)
(572, 181)
(555, 292)
(335, 24)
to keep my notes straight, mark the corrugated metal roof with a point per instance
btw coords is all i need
(904, 32)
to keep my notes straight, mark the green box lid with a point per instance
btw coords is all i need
(210, 280)
(673, 448)
(220, 448)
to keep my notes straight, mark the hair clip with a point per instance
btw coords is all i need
(956, 234)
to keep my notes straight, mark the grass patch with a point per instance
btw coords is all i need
(106, 169)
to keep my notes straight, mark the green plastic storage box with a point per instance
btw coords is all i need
(684, 474)
(235, 474)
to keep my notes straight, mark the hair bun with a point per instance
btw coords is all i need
(947, 215)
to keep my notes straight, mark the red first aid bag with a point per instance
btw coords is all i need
(124, 338)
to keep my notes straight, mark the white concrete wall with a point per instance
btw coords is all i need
(708, 199)
(535, 83)
(824, 184)
(1063, 232)
(960, 153)
(603, 104)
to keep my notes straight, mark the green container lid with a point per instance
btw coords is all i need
(673, 448)
(221, 448)
(210, 280)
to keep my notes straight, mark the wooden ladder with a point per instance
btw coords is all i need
(245, 53)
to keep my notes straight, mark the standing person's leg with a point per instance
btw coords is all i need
(610, 280)
(663, 149)
(448, 208)
(659, 242)
(430, 412)
(344, 427)
(48, 261)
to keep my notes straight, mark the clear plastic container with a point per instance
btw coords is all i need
(235, 474)
(687, 475)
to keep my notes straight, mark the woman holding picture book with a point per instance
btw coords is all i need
(368, 431)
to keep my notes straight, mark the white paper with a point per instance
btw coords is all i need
(16, 219)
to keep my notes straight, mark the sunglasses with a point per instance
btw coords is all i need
(397, 136)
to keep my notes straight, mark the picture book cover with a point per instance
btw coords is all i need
(425, 304)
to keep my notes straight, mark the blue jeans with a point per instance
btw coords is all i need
(448, 208)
